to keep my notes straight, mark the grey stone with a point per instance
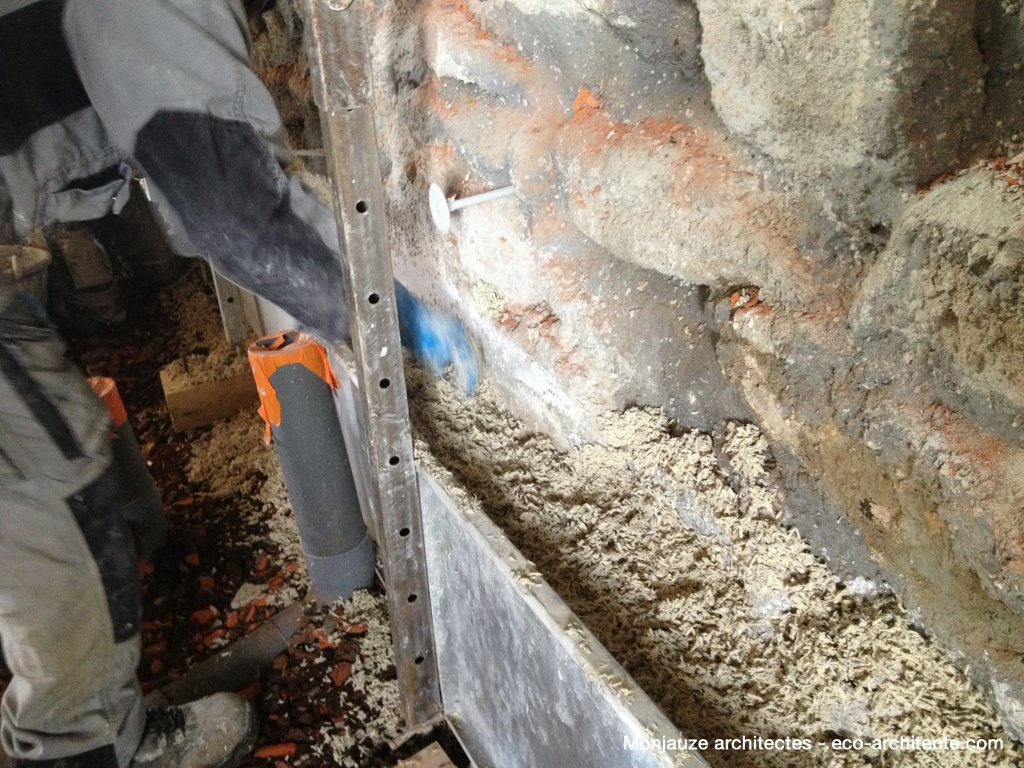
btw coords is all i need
(1000, 32)
(950, 290)
(1010, 703)
(880, 96)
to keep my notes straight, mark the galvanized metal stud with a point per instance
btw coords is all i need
(340, 60)
(232, 310)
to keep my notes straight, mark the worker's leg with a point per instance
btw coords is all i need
(74, 689)
(171, 83)
(69, 592)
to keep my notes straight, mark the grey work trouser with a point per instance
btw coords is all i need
(69, 602)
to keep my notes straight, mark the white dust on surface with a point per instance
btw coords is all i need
(679, 567)
(200, 328)
(378, 717)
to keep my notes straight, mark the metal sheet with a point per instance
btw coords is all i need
(232, 311)
(346, 401)
(339, 55)
(340, 61)
(500, 629)
(523, 681)
(251, 313)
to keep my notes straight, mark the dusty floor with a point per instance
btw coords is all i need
(332, 699)
(671, 554)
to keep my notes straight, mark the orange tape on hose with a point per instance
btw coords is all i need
(107, 390)
(279, 349)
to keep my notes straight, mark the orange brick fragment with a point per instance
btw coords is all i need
(155, 649)
(214, 636)
(585, 100)
(231, 619)
(354, 629)
(276, 750)
(322, 640)
(341, 673)
(291, 568)
(264, 562)
(192, 559)
(156, 666)
(206, 583)
(203, 616)
(146, 568)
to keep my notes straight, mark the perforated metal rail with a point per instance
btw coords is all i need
(340, 59)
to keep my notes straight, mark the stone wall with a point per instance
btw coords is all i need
(793, 212)
(874, 97)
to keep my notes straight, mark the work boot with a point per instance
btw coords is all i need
(215, 732)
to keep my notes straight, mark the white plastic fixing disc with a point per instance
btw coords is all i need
(439, 209)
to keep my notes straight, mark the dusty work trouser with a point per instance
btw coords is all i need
(70, 595)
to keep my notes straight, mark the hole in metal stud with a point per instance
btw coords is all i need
(404, 532)
(362, 206)
(393, 461)
(419, 659)
(385, 383)
(373, 298)
(412, 598)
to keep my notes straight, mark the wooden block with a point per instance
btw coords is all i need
(196, 405)
(431, 757)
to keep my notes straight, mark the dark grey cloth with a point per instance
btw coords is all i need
(171, 99)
